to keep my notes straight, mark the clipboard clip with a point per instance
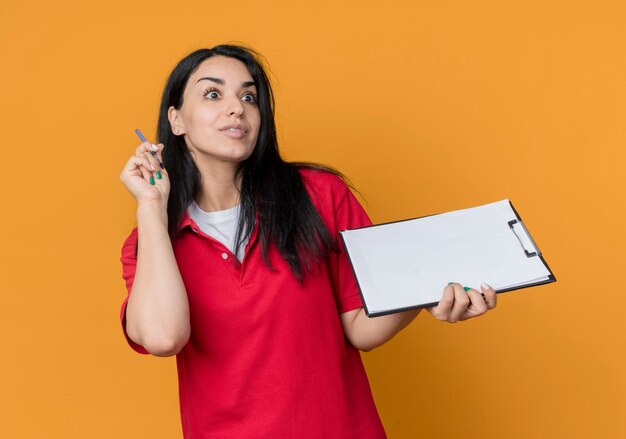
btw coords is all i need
(536, 251)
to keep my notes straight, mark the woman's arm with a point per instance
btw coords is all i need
(456, 304)
(157, 312)
(367, 333)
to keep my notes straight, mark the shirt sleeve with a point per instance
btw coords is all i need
(348, 214)
(129, 265)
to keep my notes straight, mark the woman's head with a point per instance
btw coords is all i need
(198, 113)
(183, 96)
(219, 117)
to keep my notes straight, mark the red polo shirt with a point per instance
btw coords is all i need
(267, 356)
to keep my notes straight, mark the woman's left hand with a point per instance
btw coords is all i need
(457, 304)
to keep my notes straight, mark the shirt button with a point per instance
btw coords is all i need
(225, 256)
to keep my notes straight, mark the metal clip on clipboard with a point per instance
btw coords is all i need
(518, 223)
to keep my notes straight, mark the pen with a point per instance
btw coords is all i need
(143, 139)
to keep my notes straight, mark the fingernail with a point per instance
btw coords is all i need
(152, 180)
(485, 286)
(466, 288)
(158, 175)
(450, 283)
(156, 148)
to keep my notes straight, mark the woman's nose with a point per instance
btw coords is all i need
(235, 106)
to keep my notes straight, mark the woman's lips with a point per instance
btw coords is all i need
(234, 133)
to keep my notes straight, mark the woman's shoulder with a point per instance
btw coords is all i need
(334, 200)
(320, 180)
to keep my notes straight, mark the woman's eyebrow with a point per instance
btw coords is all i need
(221, 81)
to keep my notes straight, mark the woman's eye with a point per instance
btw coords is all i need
(211, 93)
(252, 97)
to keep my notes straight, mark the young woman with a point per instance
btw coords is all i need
(235, 266)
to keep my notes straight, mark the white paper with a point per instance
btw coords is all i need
(408, 263)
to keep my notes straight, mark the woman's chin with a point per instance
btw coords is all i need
(237, 155)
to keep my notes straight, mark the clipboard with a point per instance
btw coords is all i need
(406, 264)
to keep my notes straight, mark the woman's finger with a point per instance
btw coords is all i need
(145, 167)
(138, 166)
(478, 306)
(461, 302)
(146, 146)
(442, 309)
(154, 165)
(159, 154)
(154, 155)
(490, 295)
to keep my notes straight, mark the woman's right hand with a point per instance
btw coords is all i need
(139, 169)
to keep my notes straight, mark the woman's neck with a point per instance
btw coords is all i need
(218, 190)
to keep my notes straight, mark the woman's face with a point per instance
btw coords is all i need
(220, 117)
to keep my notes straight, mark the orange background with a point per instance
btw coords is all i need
(427, 106)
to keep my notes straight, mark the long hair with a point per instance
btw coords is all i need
(271, 189)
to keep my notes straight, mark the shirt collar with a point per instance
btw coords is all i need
(186, 221)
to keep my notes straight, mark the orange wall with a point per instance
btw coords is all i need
(427, 106)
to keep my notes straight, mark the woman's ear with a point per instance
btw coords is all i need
(176, 121)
